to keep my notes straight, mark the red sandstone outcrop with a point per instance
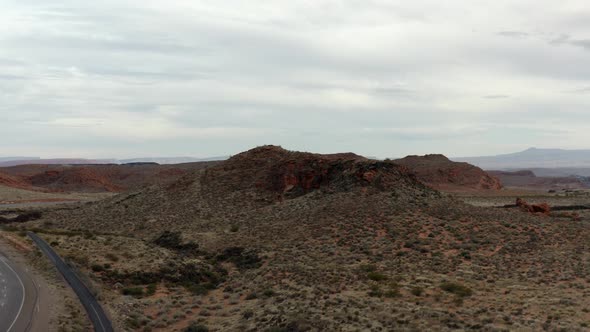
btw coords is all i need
(439, 172)
(275, 172)
(13, 181)
(542, 209)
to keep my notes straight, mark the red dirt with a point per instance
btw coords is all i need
(13, 182)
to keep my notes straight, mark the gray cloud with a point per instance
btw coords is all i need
(496, 96)
(514, 34)
(128, 77)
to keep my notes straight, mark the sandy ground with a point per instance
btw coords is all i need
(10, 195)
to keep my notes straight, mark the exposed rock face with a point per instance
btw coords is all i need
(542, 209)
(280, 173)
(12, 181)
(439, 172)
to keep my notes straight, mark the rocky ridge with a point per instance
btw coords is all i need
(441, 173)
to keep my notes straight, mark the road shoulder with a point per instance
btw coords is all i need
(57, 308)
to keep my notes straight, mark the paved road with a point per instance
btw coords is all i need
(18, 298)
(97, 316)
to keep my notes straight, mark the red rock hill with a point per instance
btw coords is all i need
(13, 181)
(274, 172)
(438, 172)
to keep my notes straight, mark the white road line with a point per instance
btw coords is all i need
(22, 303)
(98, 316)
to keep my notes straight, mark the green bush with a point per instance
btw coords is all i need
(457, 289)
(391, 293)
(247, 314)
(243, 259)
(133, 291)
(173, 240)
(417, 291)
(375, 291)
(268, 293)
(151, 289)
(194, 327)
(97, 268)
(376, 276)
(368, 268)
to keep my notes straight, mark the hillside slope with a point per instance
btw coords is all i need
(97, 178)
(305, 242)
(441, 173)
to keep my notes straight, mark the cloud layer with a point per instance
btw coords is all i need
(384, 78)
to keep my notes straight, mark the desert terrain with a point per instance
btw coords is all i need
(276, 240)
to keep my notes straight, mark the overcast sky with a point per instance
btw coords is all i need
(128, 78)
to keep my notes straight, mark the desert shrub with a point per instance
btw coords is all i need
(195, 327)
(376, 276)
(133, 322)
(8, 228)
(97, 268)
(173, 240)
(375, 291)
(457, 289)
(268, 293)
(417, 291)
(247, 314)
(78, 259)
(151, 289)
(197, 278)
(234, 228)
(133, 291)
(23, 217)
(199, 289)
(368, 268)
(293, 326)
(243, 259)
(391, 293)
(112, 257)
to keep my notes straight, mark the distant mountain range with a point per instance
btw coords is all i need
(6, 159)
(15, 161)
(169, 160)
(532, 158)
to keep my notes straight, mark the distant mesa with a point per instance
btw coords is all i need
(93, 178)
(528, 180)
(15, 161)
(532, 158)
(439, 172)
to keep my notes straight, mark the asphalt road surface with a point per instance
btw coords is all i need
(18, 298)
(97, 316)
